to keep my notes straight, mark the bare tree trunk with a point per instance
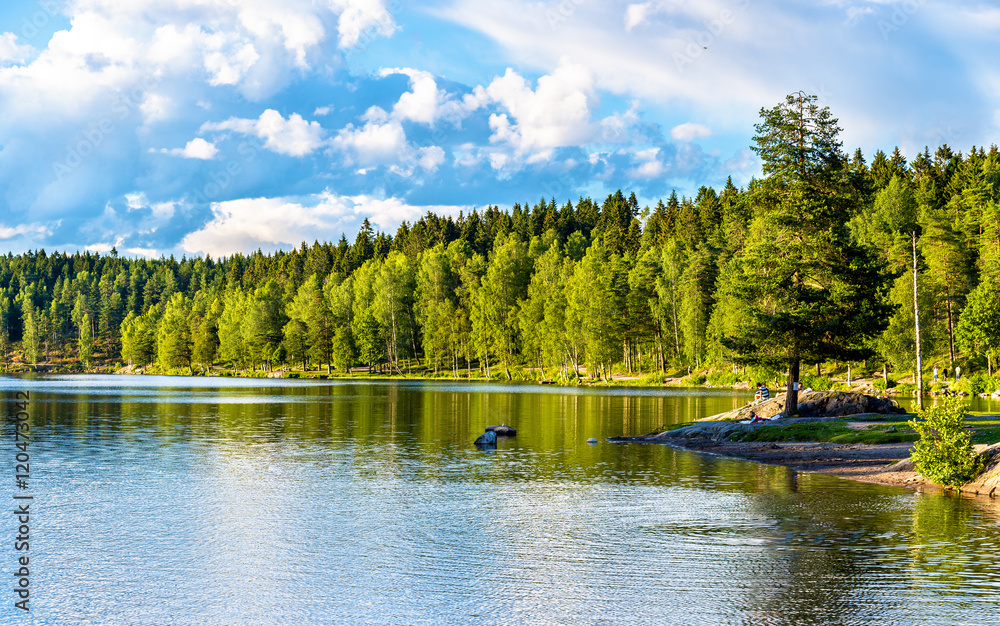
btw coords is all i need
(951, 337)
(919, 377)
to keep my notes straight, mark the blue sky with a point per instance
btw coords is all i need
(219, 126)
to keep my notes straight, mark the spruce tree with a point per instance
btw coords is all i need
(808, 291)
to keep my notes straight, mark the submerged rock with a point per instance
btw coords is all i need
(592, 440)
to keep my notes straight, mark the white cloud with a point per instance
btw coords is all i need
(11, 51)
(197, 148)
(293, 137)
(271, 223)
(430, 158)
(636, 14)
(682, 62)
(228, 66)
(31, 230)
(422, 103)
(690, 131)
(111, 46)
(378, 142)
(648, 164)
(855, 14)
(362, 20)
(137, 201)
(555, 114)
(322, 111)
(149, 253)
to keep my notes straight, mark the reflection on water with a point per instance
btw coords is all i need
(193, 501)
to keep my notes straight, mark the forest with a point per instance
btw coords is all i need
(586, 288)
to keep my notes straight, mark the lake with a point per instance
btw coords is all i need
(161, 500)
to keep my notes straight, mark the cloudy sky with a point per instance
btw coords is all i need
(217, 126)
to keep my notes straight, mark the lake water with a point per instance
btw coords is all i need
(226, 501)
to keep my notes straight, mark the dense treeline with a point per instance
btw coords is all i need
(582, 286)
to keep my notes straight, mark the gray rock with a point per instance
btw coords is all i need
(489, 438)
(592, 440)
(503, 430)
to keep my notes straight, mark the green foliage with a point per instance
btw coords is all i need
(722, 378)
(883, 384)
(808, 290)
(978, 329)
(980, 382)
(787, 270)
(816, 383)
(944, 452)
(86, 349)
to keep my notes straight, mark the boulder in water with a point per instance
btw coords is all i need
(503, 430)
(489, 438)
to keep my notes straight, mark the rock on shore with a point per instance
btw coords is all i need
(814, 406)
(818, 404)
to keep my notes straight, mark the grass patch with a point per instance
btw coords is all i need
(810, 431)
(831, 432)
(989, 436)
(874, 437)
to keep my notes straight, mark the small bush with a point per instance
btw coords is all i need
(723, 378)
(981, 382)
(841, 386)
(944, 452)
(816, 383)
(962, 385)
(884, 383)
(697, 379)
(652, 378)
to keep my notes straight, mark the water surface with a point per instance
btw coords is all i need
(227, 501)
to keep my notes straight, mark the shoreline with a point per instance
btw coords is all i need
(883, 464)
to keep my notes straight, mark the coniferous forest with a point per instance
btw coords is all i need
(810, 264)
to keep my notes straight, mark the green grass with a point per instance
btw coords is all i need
(988, 436)
(832, 432)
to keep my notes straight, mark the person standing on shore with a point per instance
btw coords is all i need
(935, 373)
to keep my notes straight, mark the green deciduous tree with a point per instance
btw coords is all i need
(978, 330)
(494, 321)
(593, 313)
(173, 335)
